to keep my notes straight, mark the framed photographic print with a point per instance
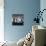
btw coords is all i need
(17, 19)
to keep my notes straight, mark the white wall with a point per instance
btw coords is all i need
(43, 6)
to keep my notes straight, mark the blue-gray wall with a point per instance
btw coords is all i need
(26, 7)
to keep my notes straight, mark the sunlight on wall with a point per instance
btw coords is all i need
(1, 25)
(1, 21)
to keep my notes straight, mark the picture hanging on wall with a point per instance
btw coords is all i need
(17, 19)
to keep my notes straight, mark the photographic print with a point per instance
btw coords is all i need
(18, 19)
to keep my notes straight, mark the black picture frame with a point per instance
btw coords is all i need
(17, 19)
